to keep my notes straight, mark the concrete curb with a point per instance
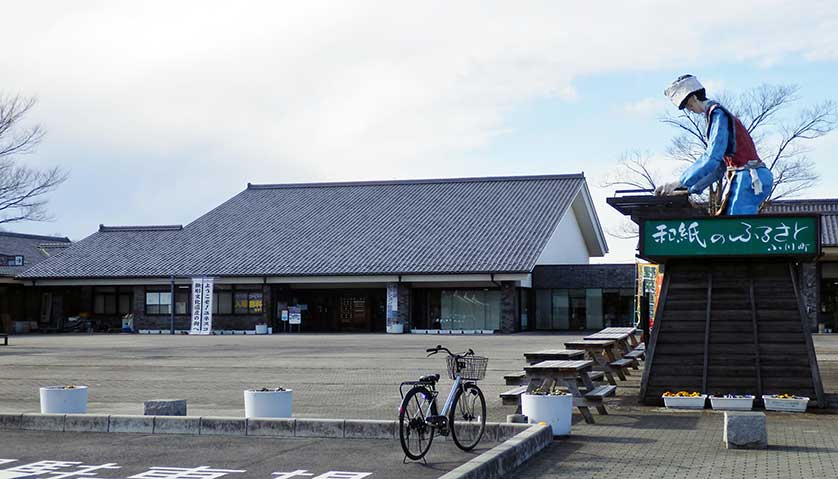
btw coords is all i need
(230, 426)
(506, 457)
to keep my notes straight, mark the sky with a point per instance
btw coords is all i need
(162, 110)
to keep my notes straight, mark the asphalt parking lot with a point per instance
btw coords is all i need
(159, 457)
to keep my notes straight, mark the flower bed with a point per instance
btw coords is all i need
(785, 402)
(732, 402)
(684, 400)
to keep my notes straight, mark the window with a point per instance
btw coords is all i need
(470, 309)
(158, 302)
(112, 300)
(228, 299)
(182, 296)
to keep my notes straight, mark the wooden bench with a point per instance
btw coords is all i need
(515, 379)
(535, 357)
(623, 364)
(513, 396)
(5, 338)
(600, 392)
(600, 350)
(636, 354)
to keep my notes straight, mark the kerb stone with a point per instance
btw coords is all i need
(177, 425)
(222, 426)
(131, 423)
(164, 407)
(369, 429)
(271, 427)
(42, 422)
(319, 428)
(10, 421)
(745, 430)
(85, 423)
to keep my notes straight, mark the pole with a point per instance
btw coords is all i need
(172, 305)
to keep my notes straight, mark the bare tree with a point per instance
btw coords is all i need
(22, 189)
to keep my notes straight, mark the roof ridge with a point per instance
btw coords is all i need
(118, 229)
(38, 237)
(804, 200)
(473, 179)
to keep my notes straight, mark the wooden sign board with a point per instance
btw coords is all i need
(795, 236)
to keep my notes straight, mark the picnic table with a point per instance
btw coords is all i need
(622, 338)
(546, 374)
(601, 352)
(553, 355)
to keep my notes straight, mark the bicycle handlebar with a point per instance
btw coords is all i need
(439, 348)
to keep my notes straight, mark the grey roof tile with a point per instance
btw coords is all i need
(826, 207)
(34, 248)
(466, 225)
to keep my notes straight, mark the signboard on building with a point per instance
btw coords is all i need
(295, 316)
(394, 324)
(201, 306)
(758, 236)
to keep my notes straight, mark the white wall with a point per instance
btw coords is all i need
(566, 245)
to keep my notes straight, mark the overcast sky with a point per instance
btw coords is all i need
(163, 110)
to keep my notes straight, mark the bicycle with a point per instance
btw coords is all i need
(464, 412)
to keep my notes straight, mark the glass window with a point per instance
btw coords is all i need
(111, 301)
(222, 302)
(158, 302)
(593, 309)
(561, 309)
(470, 309)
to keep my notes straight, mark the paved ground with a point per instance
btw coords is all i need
(688, 444)
(336, 376)
(136, 454)
(356, 376)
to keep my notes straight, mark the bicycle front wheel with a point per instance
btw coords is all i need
(467, 419)
(415, 433)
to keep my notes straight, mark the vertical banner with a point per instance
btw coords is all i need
(206, 307)
(394, 325)
(201, 306)
(197, 293)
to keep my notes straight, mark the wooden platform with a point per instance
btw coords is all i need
(731, 326)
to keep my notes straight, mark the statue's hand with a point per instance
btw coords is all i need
(668, 189)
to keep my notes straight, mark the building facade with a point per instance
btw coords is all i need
(456, 254)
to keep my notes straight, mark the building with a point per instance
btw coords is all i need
(19, 252)
(460, 254)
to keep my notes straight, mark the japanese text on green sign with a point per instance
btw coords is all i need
(751, 236)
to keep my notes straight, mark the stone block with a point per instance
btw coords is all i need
(369, 429)
(85, 423)
(42, 422)
(745, 430)
(10, 421)
(177, 425)
(222, 426)
(319, 428)
(272, 427)
(164, 407)
(516, 419)
(130, 423)
(509, 430)
(491, 432)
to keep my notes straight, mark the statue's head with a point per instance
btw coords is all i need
(687, 92)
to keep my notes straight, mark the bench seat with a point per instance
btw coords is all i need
(513, 396)
(600, 392)
(515, 379)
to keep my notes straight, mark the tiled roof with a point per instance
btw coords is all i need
(467, 225)
(33, 248)
(827, 208)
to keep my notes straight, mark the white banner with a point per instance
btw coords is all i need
(201, 306)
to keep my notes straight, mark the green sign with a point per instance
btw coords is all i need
(731, 236)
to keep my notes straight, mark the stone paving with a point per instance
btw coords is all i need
(356, 376)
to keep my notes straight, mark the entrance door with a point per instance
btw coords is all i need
(354, 313)
(578, 313)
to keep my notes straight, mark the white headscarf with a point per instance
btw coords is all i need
(682, 88)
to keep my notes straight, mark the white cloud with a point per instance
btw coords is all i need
(647, 107)
(276, 91)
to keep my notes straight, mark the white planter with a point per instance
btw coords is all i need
(395, 328)
(556, 411)
(685, 402)
(261, 329)
(787, 405)
(268, 403)
(732, 404)
(57, 400)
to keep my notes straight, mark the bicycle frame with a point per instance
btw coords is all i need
(450, 400)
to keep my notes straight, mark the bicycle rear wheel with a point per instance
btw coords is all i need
(415, 433)
(467, 419)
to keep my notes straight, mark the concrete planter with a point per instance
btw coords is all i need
(787, 405)
(685, 402)
(268, 403)
(60, 400)
(556, 411)
(732, 404)
(261, 329)
(395, 328)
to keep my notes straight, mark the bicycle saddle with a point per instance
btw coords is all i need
(431, 378)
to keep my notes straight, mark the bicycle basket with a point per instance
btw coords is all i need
(471, 368)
